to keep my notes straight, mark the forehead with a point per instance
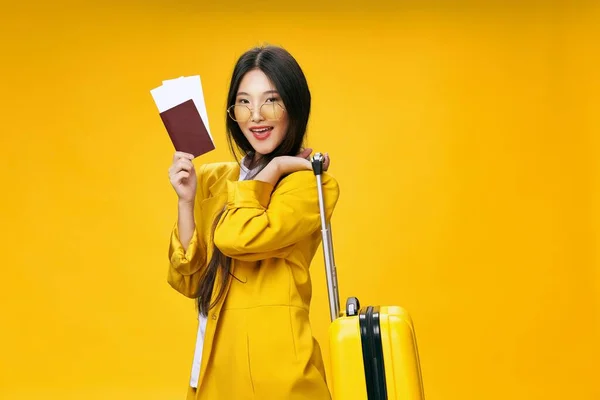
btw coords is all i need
(255, 82)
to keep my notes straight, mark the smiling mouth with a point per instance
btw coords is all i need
(261, 132)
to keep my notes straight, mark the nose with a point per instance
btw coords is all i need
(256, 116)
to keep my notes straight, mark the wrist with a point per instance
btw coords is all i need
(276, 167)
(270, 173)
(185, 204)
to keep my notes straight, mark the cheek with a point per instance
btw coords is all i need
(244, 127)
(283, 127)
(282, 131)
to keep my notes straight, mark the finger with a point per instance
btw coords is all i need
(302, 162)
(305, 153)
(326, 162)
(180, 154)
(182, 164)
(180, 176)
(185, 164)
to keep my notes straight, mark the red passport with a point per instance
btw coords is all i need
(186, 129)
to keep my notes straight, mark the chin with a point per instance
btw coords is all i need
(263, 148)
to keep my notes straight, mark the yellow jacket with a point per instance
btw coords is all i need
(258, 342)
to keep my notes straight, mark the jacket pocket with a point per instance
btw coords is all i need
(272, 353)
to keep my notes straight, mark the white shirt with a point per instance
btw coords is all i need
(244, 171)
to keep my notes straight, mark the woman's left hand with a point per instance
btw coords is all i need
(288, 164)
(305, 153)
(284, 165)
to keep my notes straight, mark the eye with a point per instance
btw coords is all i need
(272, 100)
(243, 101)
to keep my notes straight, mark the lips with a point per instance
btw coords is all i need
(261, 132)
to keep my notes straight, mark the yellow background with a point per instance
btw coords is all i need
(464, 138)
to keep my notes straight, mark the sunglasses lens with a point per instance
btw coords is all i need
(271, 111)
(239, 113)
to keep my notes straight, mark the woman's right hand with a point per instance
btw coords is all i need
(183, 177)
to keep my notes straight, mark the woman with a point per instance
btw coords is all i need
(244, 239)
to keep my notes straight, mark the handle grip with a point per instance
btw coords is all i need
(317, 163)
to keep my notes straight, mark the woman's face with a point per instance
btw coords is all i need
(266, 124)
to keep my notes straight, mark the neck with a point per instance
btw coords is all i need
(255, 160)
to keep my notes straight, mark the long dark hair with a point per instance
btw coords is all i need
(289, 80)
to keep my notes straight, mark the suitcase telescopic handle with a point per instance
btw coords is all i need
(330, 270)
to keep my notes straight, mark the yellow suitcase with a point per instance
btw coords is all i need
(373, 349)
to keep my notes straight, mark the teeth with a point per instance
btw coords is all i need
(260, 130)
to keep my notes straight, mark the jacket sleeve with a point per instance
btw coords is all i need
(187, 266)
(262, 222)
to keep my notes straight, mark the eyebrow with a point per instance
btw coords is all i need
(267, 92)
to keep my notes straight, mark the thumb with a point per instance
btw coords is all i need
(305, 153)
